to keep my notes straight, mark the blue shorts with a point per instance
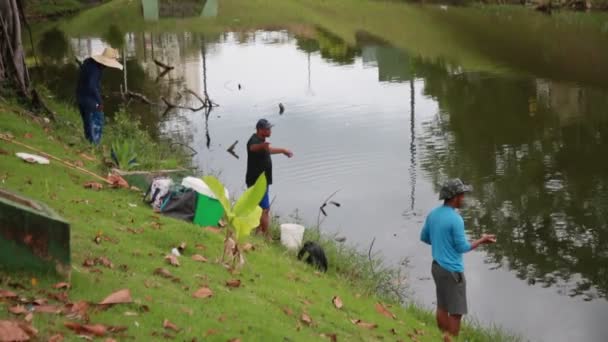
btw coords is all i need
(265, 203)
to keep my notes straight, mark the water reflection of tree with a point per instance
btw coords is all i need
(330, 46)
(53, 46)
(540, 183)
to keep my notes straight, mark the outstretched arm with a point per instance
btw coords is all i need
(276, 150)
(463, 245)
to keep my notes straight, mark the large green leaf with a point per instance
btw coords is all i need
(218, 189)
(243, 225)
(251, 198)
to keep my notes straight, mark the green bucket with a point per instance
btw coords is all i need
(208, 212)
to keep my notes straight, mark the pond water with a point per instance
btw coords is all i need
(385, 125)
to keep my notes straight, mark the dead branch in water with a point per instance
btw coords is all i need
(193, 93)
(139, 96)
(161, 75)
(369, 254)
(322, 209)
(171, 105)
(163, 65)
(231, 150)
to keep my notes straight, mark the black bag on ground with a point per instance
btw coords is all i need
(180, 205)
(316, 255)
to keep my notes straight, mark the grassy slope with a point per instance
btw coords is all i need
(272, 279)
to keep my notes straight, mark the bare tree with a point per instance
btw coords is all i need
(13, 71)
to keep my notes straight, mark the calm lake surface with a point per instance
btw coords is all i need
(386, 125)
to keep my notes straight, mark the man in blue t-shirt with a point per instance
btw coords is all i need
(444, 231)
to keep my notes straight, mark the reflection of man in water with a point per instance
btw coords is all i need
(444, 231)
(88, 93)
(259, 161)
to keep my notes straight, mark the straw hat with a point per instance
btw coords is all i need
(108, 58)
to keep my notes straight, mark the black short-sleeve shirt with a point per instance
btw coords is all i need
(257, 162)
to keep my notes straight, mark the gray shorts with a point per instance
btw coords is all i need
(451, 290)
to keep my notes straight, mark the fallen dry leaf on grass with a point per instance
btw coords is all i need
(211, 332)
(78, 163)
(40, 301)
(200, 246)
(337, 302)
(288, 311)
(384, 311)
(28, 135)
(170, 326)
(305, 318)
(16, 331)
(203, 292)
(61, 285)
(103, 261)
(78, 310)
(235, 340)
(118, 297)
(187, 311)
(233, 283)
(248, 247)
(172, 260)
(87, 157)
(365, 325)
(163, 272)
(47, 309)
(393, 331)
(7, 294)
(87, 329)
(17, 310)
(56, 338)
(93, 185)
(213, 230)
(331, 337)
(418, 332)
(117, 181)
(198, 257)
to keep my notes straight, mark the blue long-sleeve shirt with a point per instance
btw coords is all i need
(444, 231)
(88, 93)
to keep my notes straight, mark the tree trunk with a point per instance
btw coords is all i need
(13, 71)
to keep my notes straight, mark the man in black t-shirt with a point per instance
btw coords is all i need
(258, 162)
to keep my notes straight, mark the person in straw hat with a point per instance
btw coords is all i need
(88, 93)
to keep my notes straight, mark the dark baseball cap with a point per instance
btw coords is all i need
(263, 124)
(452, 188)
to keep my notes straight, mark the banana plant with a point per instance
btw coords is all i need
(242, 217)
(123, 154)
